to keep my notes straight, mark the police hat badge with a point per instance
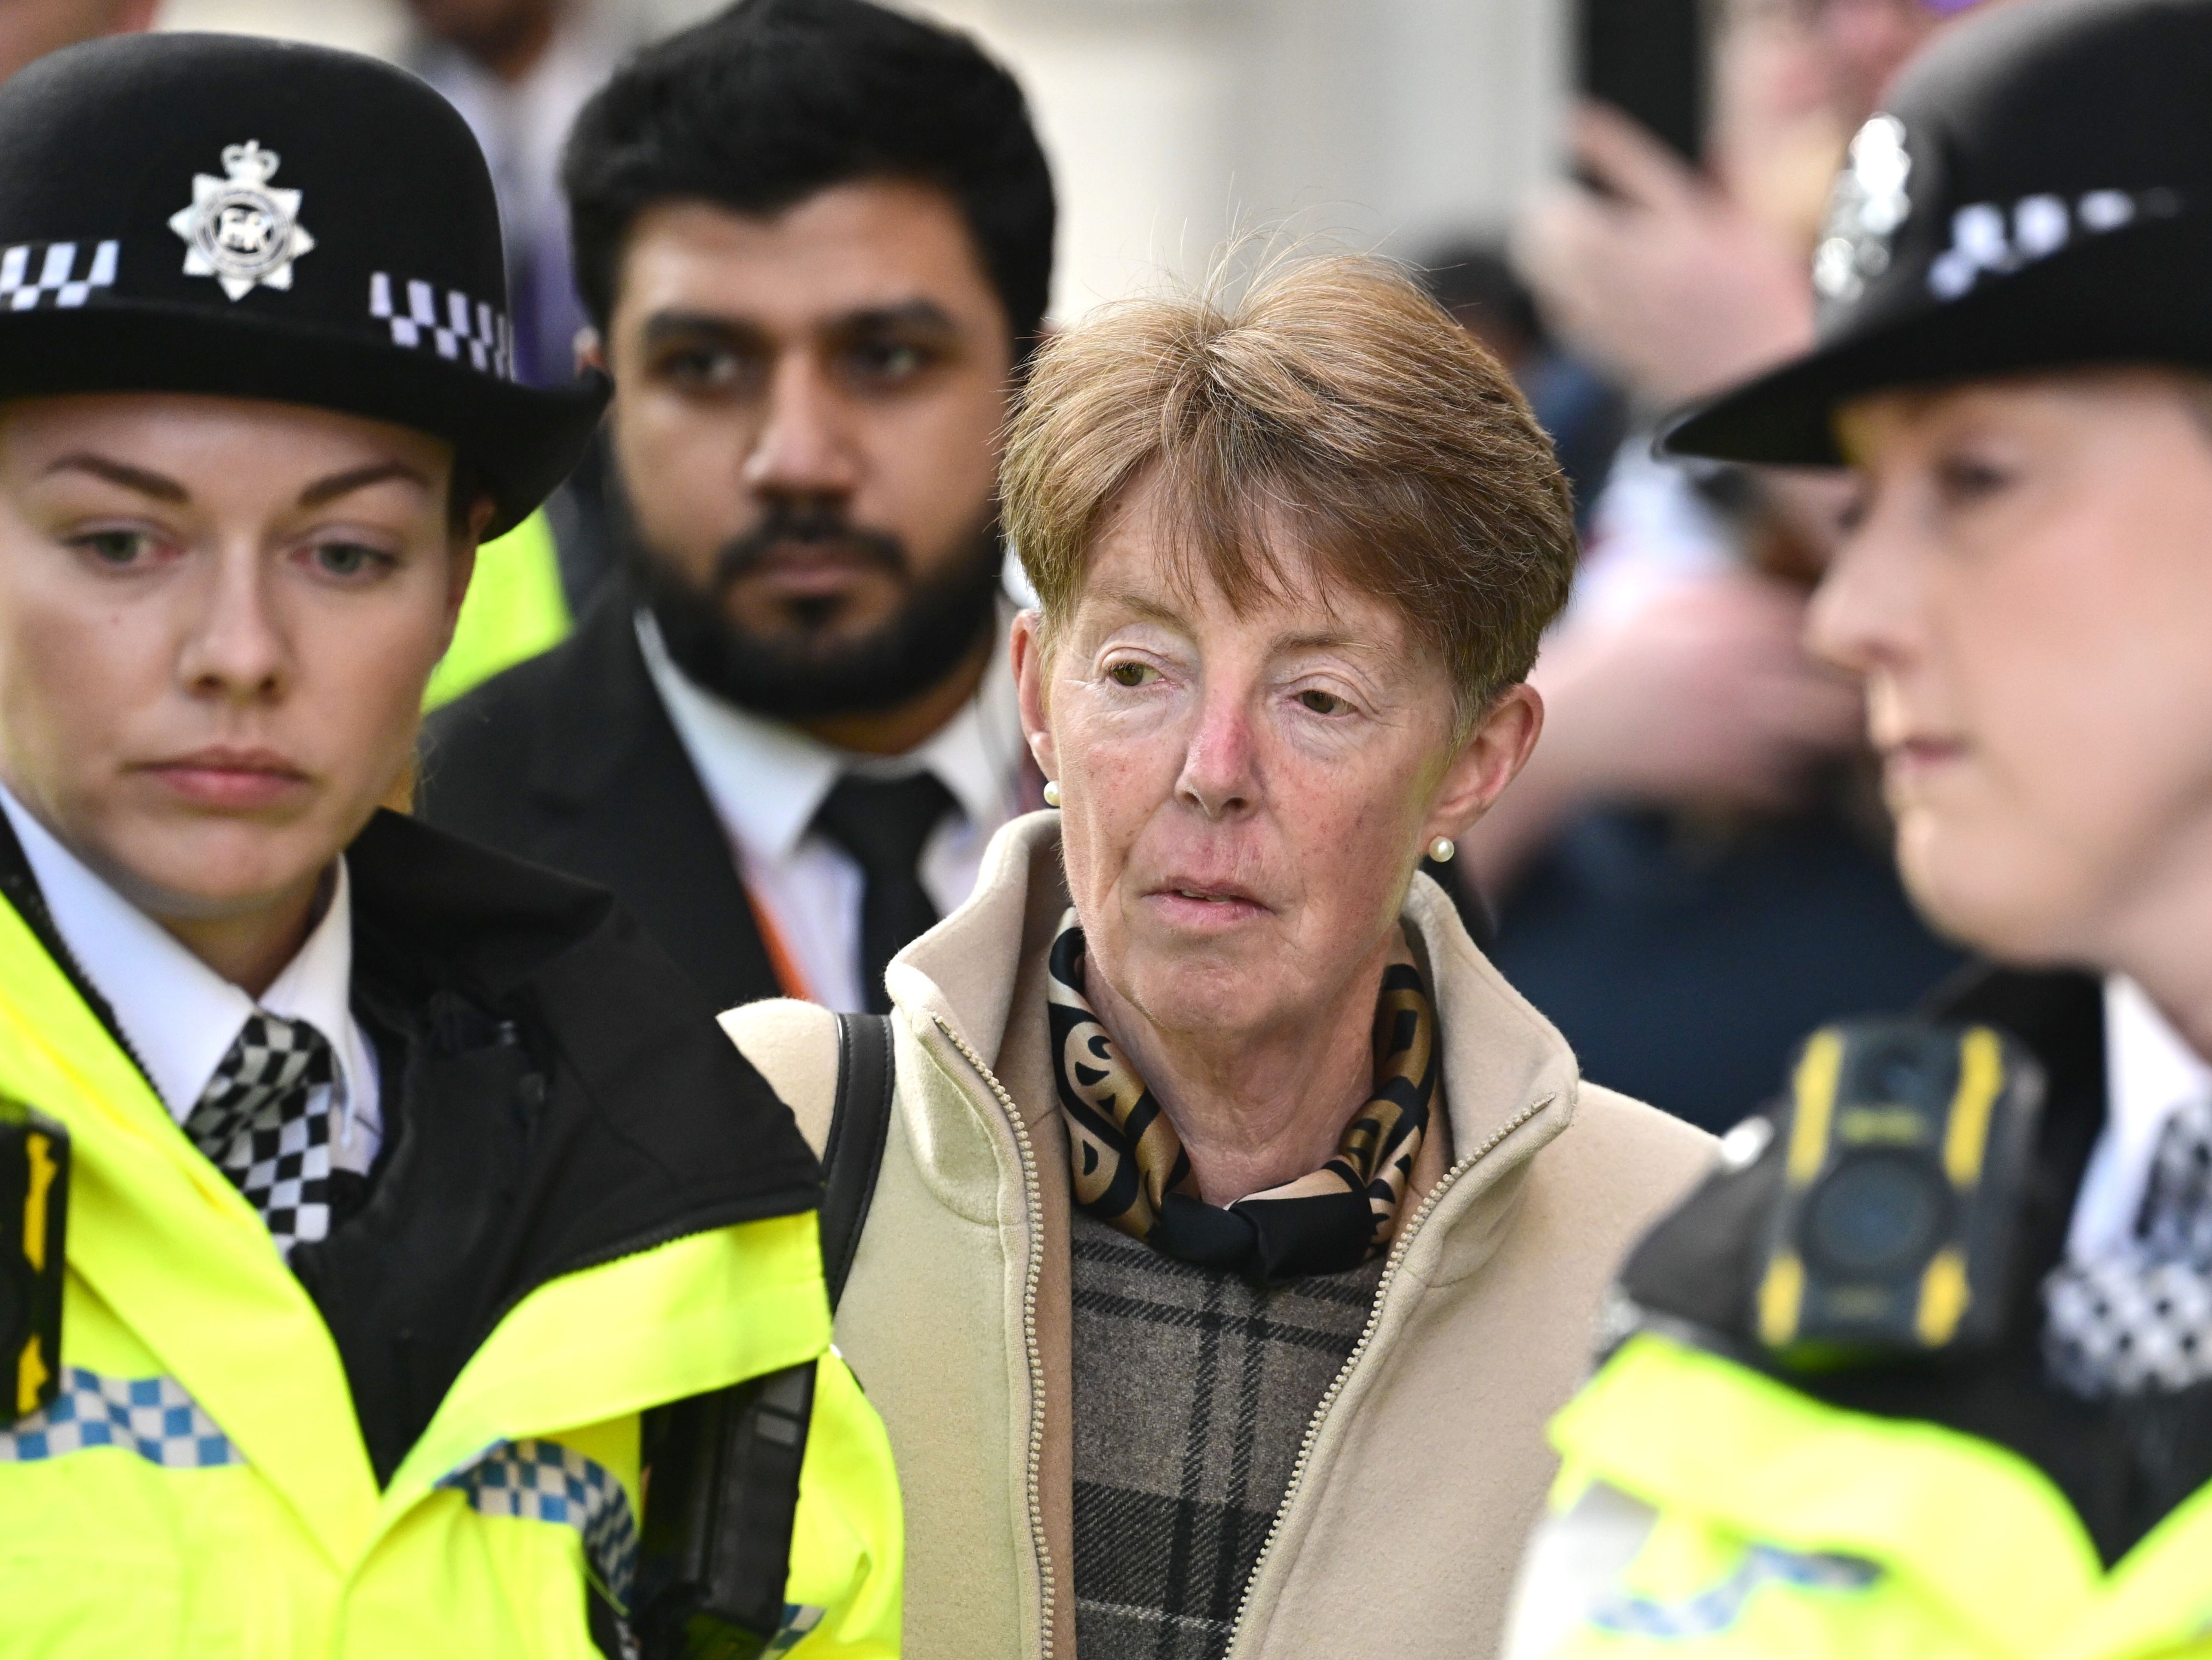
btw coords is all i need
(2038, 195)
(1864, 210)
(151, 241)
(241, 230)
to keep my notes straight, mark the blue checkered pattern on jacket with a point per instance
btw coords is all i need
(1720, 1608)
(544, 1481)
(153, 1417)
(799, 1623)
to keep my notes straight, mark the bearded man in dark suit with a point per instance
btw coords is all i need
(815, 240)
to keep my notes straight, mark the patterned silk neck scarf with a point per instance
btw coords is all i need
(1131, 1169)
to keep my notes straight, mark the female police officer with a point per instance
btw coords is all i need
(2014, 363)
(400, 1180)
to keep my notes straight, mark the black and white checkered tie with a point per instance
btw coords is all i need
(2144, 1320)
(264, 1120)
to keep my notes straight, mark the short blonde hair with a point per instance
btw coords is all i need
(1336, 400)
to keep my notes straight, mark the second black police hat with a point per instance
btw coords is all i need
(2037, 194)
(254, 218)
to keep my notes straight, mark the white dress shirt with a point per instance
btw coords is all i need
(767, 780)
(2148, 1072)
(179, 1016)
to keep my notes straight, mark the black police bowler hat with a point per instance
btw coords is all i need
(210, 213)
(2037, 194)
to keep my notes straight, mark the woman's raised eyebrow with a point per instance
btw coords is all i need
(161, 486)
(344, 483)
(1325, 640)
(1143, 606)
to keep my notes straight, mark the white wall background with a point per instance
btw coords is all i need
(1174, 125)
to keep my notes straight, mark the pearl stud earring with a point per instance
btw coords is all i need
(1442, 850)
(1052, 792)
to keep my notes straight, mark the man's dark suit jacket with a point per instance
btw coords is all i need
(570, 760)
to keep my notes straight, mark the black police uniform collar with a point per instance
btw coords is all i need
(2038, 195)
(253, 218)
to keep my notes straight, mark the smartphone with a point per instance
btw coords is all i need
(1649, 59)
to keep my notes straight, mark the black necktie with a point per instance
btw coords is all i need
(885, 823)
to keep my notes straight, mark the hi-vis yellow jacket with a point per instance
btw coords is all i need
(1713, 1503)
(200, 1488)
(515, 609)
(1706, 1512)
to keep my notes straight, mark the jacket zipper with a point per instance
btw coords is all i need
(1398, 1249)
(1033, 1196)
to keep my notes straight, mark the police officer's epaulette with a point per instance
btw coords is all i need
(1868, 1215)
(34, 1170)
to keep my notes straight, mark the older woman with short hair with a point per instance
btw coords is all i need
(1238, 1227)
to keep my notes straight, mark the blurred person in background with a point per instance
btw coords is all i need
(519, 71)
(1237, 1225)
(1584, 416)
(2015, 359)
(1675, 280)
(1694, 868)
(29, 29)
(816, 238)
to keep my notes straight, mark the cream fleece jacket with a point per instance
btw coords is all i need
(1424, 1467)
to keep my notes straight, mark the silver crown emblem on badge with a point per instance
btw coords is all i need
(240, 229)
(1868, 204)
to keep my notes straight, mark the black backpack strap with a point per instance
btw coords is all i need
(859, 1124)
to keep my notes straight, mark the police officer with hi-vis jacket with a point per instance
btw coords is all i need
(396, 1258)
(1925, 1367)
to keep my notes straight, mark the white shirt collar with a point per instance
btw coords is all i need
(2150, 1070)
(180, 1017)
(766, 779)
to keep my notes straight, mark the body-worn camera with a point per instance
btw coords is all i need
(719, 1518)
(34, 1163)
(1905, 1148)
